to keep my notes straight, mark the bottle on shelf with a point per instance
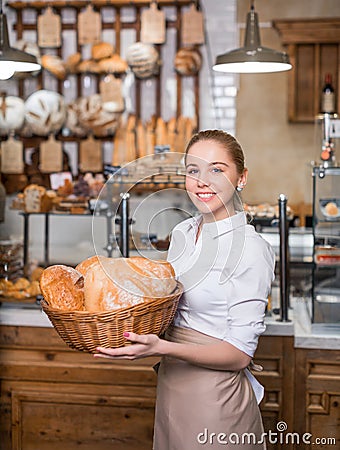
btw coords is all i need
(328, 95)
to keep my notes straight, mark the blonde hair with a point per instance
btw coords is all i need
(226, 140)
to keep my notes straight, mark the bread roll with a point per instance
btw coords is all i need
(114, 64)
(115, 283)
(188, 61)
(55, 65)
(72, 62)
(88, 66)
(331, 209)
(63, 288)
(102, 50)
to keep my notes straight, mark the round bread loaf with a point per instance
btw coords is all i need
(85, 265)
(63, 288)
(45, 112)
(12, 114)
(188, 61)
(93, 117)
(143, 59)
(114, 283)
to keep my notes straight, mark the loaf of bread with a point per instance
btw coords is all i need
(102, 284)
(55, 65)
(114, 283)
(85, 265)
(45, 112)
(102, 50)
(63, 288)
(143, 59)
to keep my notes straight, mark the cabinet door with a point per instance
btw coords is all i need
(317, 380)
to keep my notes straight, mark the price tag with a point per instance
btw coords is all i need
(192, 26)
(51, 156)
(90, 157)
(89, 26)
(49, 29)
(153, 25)
(12, 157)
(111, 94)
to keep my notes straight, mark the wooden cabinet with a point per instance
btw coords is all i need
(276, 355)
(317, 394)
(54, 398)
(314, 49)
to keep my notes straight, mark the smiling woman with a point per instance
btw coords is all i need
(226, 269)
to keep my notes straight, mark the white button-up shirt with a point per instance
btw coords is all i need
(227, 277)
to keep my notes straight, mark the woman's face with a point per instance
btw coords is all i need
(211, 179)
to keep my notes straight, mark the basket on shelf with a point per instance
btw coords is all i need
(85, 331)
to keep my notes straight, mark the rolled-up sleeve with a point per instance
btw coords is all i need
(245, 323)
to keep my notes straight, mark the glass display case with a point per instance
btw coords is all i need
(326, 248)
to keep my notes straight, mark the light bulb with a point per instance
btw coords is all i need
(6, 70)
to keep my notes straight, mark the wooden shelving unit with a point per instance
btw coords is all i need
(314, 49)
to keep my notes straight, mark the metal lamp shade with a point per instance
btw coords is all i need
(11, 59)
(252, 58)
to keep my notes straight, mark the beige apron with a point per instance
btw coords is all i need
(201, 408)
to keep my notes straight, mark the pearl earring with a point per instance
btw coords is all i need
(239, 188)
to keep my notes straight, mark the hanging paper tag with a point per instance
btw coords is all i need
(90, 155)
(49, 29)
(111, 94)
(12, 156)
(192, 27)
(89, 26)
(153, 25)
(51, 156)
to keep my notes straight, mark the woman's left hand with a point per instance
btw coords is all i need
(143, 345)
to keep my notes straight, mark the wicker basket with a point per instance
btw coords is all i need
(85, 331)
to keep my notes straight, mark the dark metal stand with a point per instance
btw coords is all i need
(124, 224)
(284, 259)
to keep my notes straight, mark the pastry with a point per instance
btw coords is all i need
(331, 209)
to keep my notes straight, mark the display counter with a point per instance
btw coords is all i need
(53, 397)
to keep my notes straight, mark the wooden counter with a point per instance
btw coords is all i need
(54, 398)
(58, 399)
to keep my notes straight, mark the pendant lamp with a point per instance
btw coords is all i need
(11, 59)
(252, 57)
